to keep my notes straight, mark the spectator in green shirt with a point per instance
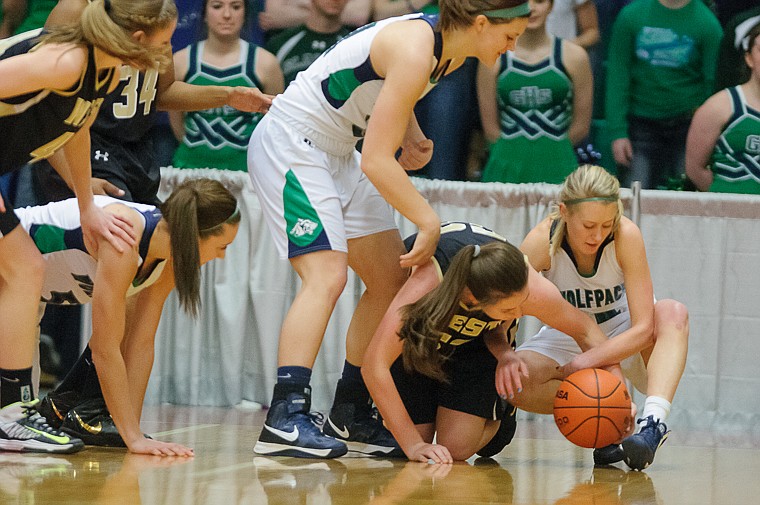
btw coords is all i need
(661, 66)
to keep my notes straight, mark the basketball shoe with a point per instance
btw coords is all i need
(54, 406)
(503, 435)
(23, 429)
(639, 449)
(92, 423)
(361, 428)
(608, 455)
(291, 430)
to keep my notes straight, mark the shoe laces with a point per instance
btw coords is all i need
(316, 418)
(32, 416)
(651, 424)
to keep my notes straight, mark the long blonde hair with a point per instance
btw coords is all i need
(109, 25)
(586, 183)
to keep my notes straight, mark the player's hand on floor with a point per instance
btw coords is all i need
(157, 448)
(430, 452)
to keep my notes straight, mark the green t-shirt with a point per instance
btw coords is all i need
(661, 62)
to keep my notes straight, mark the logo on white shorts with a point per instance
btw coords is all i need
(290, 436)
(303, 227)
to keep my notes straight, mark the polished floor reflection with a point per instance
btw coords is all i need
(539, 467)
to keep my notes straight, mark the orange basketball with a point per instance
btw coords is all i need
(592, 408)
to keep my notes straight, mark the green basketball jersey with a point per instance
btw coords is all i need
(535, 110)
(298, 47)
(735, 159)
(218, 138)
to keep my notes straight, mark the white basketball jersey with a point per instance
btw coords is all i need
(331, 101)
(602, 294)
(70, 270)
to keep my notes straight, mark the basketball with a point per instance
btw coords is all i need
(592, 408)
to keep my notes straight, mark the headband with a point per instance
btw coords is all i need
(509, 13)
(476, 251)
(592, 199)
(229, 220)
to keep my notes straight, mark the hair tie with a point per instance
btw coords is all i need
(518, 11)
(592, 199)
(476, 251)
(107, 6)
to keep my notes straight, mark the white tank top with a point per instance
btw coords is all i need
(602, 294)
(70, 270)
(331, 101)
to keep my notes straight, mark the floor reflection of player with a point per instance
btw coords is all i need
(485, 481)
(296, 481)
(123, 486)
(610, 485)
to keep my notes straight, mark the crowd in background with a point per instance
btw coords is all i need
(589, 81)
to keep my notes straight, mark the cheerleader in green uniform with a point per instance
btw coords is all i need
(535, 104)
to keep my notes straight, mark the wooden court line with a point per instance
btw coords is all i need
(184, 430)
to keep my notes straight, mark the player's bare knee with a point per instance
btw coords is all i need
(674, 314)
(459, 449)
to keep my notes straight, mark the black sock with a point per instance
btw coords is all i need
(16, 386)
(351, 387)
(78, 375)
(352, 372)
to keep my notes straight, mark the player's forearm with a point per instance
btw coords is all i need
(388, 401)
(181, 96)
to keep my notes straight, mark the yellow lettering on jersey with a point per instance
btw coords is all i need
(457, 322)
(48, 149)
(445, 337)
(473, 327)
(82, 110)
(460, 341)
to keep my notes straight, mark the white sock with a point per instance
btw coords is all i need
(657, 407)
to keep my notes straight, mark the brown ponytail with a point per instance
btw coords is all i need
(498, 270)
(196, 209)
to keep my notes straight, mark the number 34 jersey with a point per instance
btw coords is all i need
(130, 111)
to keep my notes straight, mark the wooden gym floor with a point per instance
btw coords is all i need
(539, 467)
